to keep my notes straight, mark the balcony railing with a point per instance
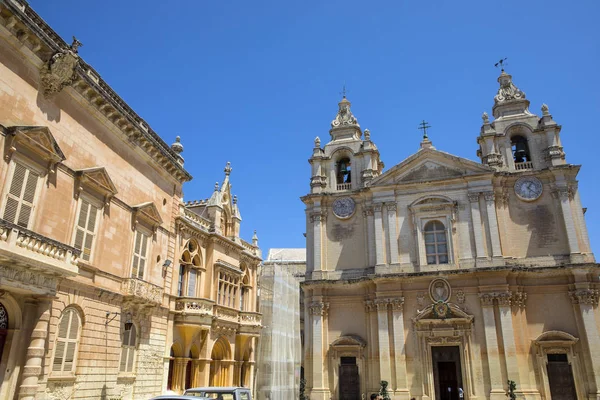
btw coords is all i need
(195, 218)
(250, 318)
(524, 165)
(37, 250)
(226, 313)
(194, 306)
(141, 292)
(344, 186)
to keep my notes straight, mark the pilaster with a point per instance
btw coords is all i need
(586, 300)
(564, 195)
(491, 346)
(379, 238)
(401, 384)
(508, 338)
(385, 373)
(392, 232)
(368, 214)
(318, 310)
(317, 219)
(476, 219)
(493, 223)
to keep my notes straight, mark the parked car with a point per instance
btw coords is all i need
(177, 397)
(220, 393)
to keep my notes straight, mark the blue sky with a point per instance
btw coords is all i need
(254, 82)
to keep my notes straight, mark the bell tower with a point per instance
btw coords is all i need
(348, 161)
(518, 140)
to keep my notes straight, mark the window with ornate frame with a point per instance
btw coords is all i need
(190, 270)
(228, 284)
(67, 342)
(437, 214)
(128, 350)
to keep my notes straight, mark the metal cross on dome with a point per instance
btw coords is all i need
(501, 63)
(424, 125)
(343, 92)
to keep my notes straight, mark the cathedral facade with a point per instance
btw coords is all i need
(111, 287)
(446, 277)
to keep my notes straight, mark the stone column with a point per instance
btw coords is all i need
(385, 373)
(491, 346)
(392, 232)
(379, 238)
(476, 219)
(39, 310)
(587, 300)
(493, 223)
(178, 382)
(401, 388)
(317, 219)
(564, 195)
(318, 311)
(508, 338)
(204, 372)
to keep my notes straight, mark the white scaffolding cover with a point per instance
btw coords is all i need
(279, 358)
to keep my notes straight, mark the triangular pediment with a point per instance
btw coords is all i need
(98, 179)
(37, 140)
(429, 165)
(147, 213)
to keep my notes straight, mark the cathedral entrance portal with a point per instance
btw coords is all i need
(349, 384)
(447, 373)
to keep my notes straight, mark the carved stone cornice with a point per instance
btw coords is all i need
(390, 206)
(519, 299)
(318, 308)
(369, 306)
(504, 299)
(397, 304)
(554, 152)
(473, 197)
(585, 296)
(377, 207)
(489, 196)
(318, 217)
(63, 68)
(367, 211)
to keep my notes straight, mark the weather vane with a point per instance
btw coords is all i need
(343, 92)
(424, 125)
(501, 63)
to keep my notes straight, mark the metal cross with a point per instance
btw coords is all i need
(501, 63)
(343, 92)
(424, 125)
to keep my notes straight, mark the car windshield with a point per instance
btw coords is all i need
(216, 395)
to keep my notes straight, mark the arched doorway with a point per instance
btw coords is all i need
(221, 361)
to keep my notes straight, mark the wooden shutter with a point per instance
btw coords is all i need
(139, 255)
(67, 338)
(128, 350)
(19, 202)
(86, 229)
(192, 283)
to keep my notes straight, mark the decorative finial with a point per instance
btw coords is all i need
(501, 63)
(227, 168)
(485, 117)
(216, 186)
(367, 134)
(545, 109)
(177, 147)
(255, 239)
(317, 142)
(235, 199)
(76, 43)
(424, 125)
(344, 116)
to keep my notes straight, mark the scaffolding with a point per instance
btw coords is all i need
(279, 353)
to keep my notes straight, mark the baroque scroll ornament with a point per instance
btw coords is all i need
(59, 71)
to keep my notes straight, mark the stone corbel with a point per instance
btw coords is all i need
(585, 296)
(473, 196)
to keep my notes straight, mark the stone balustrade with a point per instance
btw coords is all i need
(141, 292)
(250, 318)
(194, 306)
(39, 251)
(226, 314)
(195, 219)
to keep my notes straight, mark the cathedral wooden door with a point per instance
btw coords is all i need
(560, 377)
(349, 384)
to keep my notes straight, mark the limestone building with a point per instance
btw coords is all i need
(110, 286)
(444, 276)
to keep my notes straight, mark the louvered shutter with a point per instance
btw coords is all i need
(192, 283)
(66, 342)
(139, 255)
(136, 256)
(86, 229)
(143, 255)
(128, 350)
(19, 202)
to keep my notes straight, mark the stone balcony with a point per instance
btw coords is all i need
(33, 261)
(204, 312)
(194, 306)
(250, 318)
(141, 293)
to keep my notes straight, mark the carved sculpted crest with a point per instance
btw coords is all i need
(344, 207)
(58, 72)
(439, 290)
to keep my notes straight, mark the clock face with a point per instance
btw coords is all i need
(344, 207)
(528, 188)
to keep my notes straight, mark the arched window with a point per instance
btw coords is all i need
(189, 272)
(67, 341)
(245, 289)
(436, 243)
(520, 149)
(344, 171)
(128, 349)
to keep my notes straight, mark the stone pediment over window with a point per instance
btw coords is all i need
(349, 340)
(35, 141)
(96, 180)
(430, 165)
(146, 214)
(427, 317)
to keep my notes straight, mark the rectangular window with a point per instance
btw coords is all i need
(86, 229)
(139, 255)
(192, 283)
(19, 201)
(128, 350)
(180, 281)
(227, 294)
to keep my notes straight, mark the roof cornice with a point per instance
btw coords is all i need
(34, 33)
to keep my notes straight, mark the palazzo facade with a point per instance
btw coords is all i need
(111, 287)
(447, 277)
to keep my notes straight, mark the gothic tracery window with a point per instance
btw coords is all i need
(436, 243)
(189, 270)
(227, 290)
